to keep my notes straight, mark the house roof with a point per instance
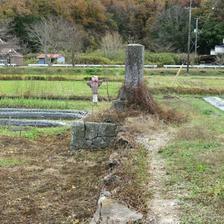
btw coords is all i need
(11, 51)
(2, 42)
(54, 56)
(221, 45)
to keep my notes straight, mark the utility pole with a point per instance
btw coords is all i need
(196, 39)
(189, 38)
(45, 43)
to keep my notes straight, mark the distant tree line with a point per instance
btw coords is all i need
(75, 25)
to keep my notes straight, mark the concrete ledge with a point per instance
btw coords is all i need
(91, 135)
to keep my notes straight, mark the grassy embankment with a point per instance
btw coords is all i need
(195, 161)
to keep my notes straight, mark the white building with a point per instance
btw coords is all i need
(219, 49)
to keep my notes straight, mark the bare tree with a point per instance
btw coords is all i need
(57, 34)
(42, 33)
(111, 43)
(8, 43)
(171, 28)
(69, 37)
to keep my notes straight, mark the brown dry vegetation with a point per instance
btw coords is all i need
(139, 103)
(187, 90)
(195, 132)
(41, 181)
(28, 95)
(140, 99)
(134, 180)
(50, 185)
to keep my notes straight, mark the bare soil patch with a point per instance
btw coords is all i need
(41, 181)
(50, 185)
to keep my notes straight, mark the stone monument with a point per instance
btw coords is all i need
(134, 74)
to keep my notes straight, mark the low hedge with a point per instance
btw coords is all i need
(87, 59)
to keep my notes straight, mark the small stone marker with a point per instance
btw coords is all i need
(134, 73)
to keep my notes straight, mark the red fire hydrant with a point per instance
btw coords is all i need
(94, 84)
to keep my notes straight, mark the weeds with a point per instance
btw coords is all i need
(195, 161)
(195, 132)
(50, 104)
(134, 177)
(140, 99)
(6, 162)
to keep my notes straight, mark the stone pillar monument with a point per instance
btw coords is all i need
(134, 73)
(134, 70)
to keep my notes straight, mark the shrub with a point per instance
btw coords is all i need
(30, 59)
(86, 59)
(160, 58)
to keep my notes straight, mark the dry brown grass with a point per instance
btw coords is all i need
(140, 103)
(52, 185)
(169, 115)
(196, 132)
(140, 99)
(134, 177)
(143, 124)
(188, 90)
(111, 116)
(29, 95)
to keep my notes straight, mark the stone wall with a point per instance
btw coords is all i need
(90, 135)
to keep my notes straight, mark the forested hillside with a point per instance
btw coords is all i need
(160, 25)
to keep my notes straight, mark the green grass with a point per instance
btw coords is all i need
(31, 132)
(206, 82)
(141, 166)
(67, 72)
(80, 73)
(73, 89)
(71, 82)
(195, 161)
(52, 104)
(6, 162)
(54, 89)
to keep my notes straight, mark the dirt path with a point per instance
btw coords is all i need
(163, 206)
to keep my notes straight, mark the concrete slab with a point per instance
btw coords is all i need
(216, 102)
